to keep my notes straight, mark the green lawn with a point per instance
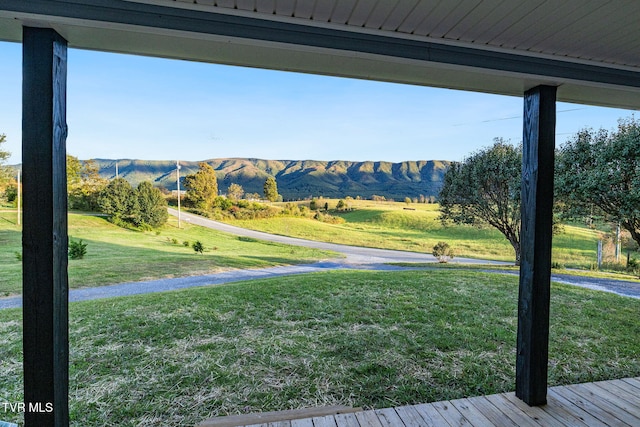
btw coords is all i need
(116, 255)
(371, 339)
(389, 225)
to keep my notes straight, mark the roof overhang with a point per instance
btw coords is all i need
(229, 36)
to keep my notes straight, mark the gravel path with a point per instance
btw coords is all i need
(354, 258)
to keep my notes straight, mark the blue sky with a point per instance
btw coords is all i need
(122, 106)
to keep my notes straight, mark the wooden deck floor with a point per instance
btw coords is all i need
(599, 404)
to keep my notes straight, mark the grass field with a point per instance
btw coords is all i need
(390, 225)
(117, 255)
(356, 338)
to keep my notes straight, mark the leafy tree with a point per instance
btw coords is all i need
(152, 206)
(601, 170)
(202, 187)
(235, 192)
(84, 184)
(271, 189)
(118, 201)
(485, 189)
(5, 172)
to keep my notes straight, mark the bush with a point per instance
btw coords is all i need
(185, 243)
(77, 249)
(198, 247)
(443, 252)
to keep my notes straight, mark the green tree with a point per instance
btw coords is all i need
(485, 189)
(235, 192)
(152, 206)
(118, 201)
(5, 172)
(601, 170)
(84, 184)
(271, 189)
(202, 187)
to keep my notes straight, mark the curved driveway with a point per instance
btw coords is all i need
(354, 258)
(354, 255)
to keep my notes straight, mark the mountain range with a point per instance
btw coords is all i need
(296, 179)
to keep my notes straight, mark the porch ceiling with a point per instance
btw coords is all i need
(589, 48)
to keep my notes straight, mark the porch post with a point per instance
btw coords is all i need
(44, 237)
(537, 228)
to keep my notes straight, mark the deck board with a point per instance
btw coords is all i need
(471, 413)
(574, 414)
(614, 403)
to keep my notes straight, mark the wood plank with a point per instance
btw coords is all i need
(613, 411)
(410, 417)
(617, 397)
(326, 421)
(537, 413)
(302, 422)
(274, 416)
(430, 414)
(286, 423)
(622, 389)
(508, 410)
(45, 285)
(575, 397)
(491, 412)
(451, 414)
(572, 409)
(388, 417)
(633, 381)
(471, 413)
(368, 419)
(346, 420)
(535, 239)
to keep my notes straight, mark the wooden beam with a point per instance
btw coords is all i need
(44, 238)
(535, 237)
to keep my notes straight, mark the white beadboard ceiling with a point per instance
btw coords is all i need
(605, 31)
(590, 49)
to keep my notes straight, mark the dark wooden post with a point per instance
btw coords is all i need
(44, 237)
(537, 228)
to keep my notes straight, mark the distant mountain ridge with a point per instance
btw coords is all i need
(297, 179)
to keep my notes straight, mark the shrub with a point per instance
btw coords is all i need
(77, 249)
(185, 243)
(198, 247)
(443, 252)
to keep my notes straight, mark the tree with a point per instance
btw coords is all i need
(601, 170)
(118, 201)
(235, 192)
(152, 206)
(5, 172)
(84, 184)
(485, 189)
(202, 187)
(271, 189)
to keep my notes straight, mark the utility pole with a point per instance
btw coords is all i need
(19, 201)
(618, 243)
(178, 182)
(116, 169)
